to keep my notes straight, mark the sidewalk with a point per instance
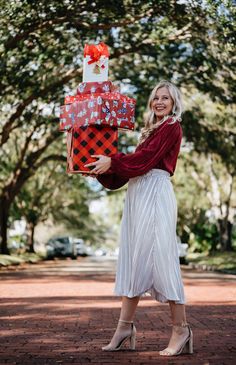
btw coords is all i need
(63, 312)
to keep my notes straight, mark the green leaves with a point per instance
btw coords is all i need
(190, 43)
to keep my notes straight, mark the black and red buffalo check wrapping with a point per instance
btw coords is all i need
(82, 142)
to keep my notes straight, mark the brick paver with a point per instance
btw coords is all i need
(63, 312)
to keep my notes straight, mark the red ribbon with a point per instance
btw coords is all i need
(95, 51)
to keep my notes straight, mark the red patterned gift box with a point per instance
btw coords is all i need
(111, 109)
(82, 142)
(95, 87)
(87, 88)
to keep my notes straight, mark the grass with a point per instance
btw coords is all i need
(7, 260)
(220, 261)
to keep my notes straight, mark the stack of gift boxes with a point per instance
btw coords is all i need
(93, 116)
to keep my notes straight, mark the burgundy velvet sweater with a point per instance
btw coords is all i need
(159, 151)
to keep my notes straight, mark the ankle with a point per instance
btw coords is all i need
(180, 324)
(180, 328)
(123, 324)
(125, 321)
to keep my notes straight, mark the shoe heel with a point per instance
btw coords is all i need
(133, 338)
(132, 342)
(190, 344)
(188, 348)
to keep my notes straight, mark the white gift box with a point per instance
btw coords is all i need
(95, 71)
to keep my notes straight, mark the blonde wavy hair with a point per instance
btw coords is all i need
(150, 122)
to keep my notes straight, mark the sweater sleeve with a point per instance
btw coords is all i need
(112, 181)
(146, 158)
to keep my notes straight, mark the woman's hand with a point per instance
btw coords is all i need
(101, 165)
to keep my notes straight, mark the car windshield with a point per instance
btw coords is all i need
(64, 240)
(78, 241)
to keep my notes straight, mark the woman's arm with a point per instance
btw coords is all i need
(143, 159)
(140, 162)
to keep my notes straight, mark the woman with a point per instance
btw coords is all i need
(148, 257)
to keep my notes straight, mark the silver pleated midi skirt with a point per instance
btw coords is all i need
(148, 259)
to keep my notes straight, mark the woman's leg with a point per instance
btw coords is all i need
(123, 329)
(179, 333)
(128, 308)
(178, 314)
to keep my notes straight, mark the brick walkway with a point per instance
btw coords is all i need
(63, 312)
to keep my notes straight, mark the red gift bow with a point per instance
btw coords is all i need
(95, 51)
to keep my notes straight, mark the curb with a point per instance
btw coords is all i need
(205, 267)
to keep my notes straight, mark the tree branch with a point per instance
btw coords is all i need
(8, 127)
(13, 187)
(52, 157)
(71, 19)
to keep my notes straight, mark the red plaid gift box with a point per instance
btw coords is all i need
(82, 142)
(111, 109)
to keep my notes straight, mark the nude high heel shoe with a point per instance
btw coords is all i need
(131, 337)
(185, 348)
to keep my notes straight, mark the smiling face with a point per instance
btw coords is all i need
(162, 103)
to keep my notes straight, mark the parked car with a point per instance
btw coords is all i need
(61, 246)
(67, 247)
(101, 252)
(82, 249)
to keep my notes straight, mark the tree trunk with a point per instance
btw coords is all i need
(229, 242)
(4, 211)
(225, 231)
(30, 237)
